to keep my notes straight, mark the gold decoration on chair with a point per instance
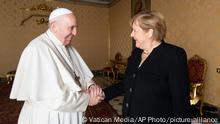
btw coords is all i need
(119, 68)
(115, 67)
(10, 76)
(109, 69)
(197, 67)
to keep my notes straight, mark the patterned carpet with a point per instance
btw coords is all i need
(116, 103)
(103, 112)
(210, 112)
(9, 109)
(104, 82)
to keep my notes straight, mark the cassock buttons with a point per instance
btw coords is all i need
(134, 75)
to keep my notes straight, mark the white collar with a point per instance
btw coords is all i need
(54, 38)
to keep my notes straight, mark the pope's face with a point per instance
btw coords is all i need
(66, 28)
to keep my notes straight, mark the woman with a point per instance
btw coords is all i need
(156, 80)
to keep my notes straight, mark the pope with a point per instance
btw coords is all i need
(52, 79)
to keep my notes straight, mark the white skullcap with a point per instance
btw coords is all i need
(59, 12)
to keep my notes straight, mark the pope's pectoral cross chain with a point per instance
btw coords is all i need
(76, 77)
(67, 53)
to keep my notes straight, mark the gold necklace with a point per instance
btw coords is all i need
(146, 51)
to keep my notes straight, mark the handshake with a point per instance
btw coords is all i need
(96, 95)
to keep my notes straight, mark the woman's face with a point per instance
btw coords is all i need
(139, 35)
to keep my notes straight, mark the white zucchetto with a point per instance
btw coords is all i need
(59, 12)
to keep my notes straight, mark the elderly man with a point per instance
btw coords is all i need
(52, 78)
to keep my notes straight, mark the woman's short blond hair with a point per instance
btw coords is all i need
(151, 20)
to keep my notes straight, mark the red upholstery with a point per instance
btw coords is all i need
(196, 70)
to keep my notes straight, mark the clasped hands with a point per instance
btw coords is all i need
(96, 94)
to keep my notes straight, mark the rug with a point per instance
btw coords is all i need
(102, 113)
(10, 109)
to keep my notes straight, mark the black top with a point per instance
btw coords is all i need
(159, 87)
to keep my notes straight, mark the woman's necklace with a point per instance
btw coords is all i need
(144, 55)
(146, 52)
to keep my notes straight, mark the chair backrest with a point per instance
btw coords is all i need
(118, 56)
(197, 68)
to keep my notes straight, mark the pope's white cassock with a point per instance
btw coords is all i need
(45, 80)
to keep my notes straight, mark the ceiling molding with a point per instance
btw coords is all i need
(99, 3)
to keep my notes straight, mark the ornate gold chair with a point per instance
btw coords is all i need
(10, 76)
(109, 69)
(197, 67)
(119, 64)
(119, 69)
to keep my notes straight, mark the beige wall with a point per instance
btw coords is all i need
(91, 41)
(194, 25)
(120, 15)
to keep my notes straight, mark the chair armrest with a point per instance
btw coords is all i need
(195, 85)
